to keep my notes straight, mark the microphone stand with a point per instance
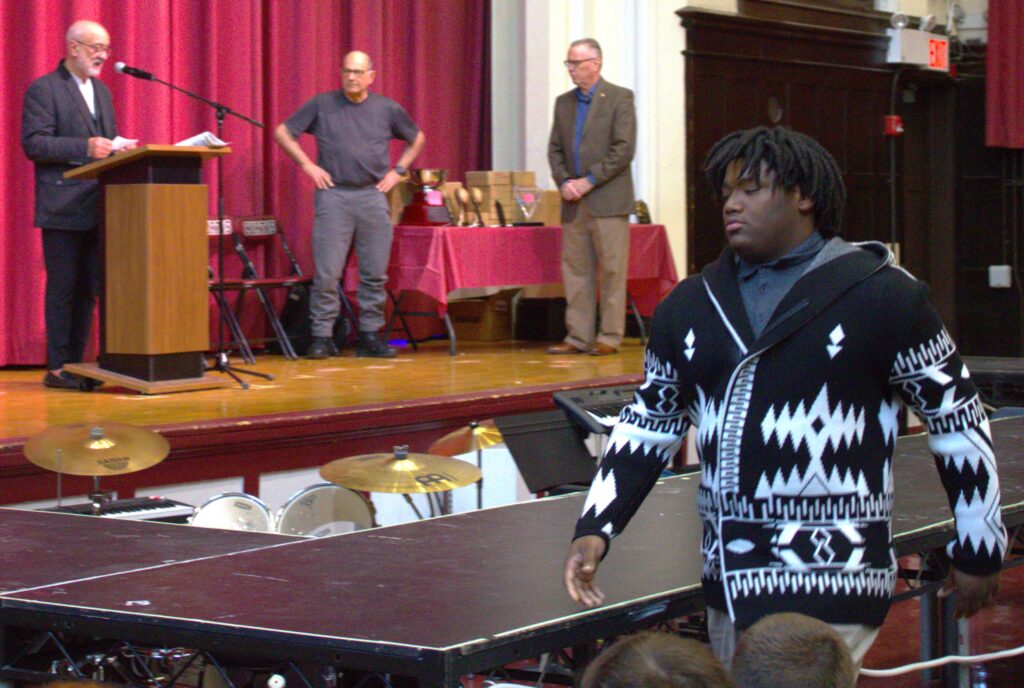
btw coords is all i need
(221, 363)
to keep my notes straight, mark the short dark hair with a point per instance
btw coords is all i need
(792, 650)
(798, 161)
(656, 660)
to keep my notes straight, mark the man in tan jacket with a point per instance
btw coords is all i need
(593, 139)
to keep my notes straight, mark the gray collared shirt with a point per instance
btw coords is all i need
(764, 285)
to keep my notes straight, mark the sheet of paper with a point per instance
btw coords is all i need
(206, 138)
(121, 142)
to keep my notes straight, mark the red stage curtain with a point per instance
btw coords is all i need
(263, 58)
(1004, 88)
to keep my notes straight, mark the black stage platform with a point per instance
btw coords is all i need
(1000, 380)
(433, 600)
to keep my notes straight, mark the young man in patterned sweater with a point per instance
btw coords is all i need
(791, 355)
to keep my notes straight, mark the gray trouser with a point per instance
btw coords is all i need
(345, 216)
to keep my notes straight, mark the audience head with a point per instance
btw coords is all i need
(784, 650)
(656, 660)
(791, 160)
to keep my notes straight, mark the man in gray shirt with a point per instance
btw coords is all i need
(353, 130)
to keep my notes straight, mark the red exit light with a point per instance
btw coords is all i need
(938, 54)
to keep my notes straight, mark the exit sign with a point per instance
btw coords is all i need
(938, 54)
(918, 48)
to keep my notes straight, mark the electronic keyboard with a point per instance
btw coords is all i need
(595, 409)
(136, 509)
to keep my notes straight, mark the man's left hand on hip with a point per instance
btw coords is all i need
(389, 181)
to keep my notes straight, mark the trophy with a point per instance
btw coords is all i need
(427, 206)
(528, 199)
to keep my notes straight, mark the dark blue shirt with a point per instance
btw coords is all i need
(764, 285)
(583, 101)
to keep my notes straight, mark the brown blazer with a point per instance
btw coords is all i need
(606, 149)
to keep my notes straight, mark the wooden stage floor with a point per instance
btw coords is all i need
(313, 411)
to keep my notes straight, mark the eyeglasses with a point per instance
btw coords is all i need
(353, 72)
(575, 64)
(95, 48)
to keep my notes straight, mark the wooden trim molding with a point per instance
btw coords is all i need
(856, 15)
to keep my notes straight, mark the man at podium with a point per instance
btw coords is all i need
(67, 121)
(353, 129)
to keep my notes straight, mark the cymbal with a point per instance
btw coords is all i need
(400, 472)
(96, 449)
(468, 439)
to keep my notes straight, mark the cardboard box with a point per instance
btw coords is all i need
(488, 177)
(550, 210)
(523, 178)
(483, 320)
(540, 319)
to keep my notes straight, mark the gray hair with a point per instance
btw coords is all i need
(588, 42)
(80, 28)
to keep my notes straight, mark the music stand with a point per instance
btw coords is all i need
(547, 450)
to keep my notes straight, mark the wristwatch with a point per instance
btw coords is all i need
(400, 169)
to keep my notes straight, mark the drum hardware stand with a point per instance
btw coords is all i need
(473, 425)
(408, 499)
(60, 455)
(221, 364)
(99, 498)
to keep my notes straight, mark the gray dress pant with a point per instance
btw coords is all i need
(345, 217)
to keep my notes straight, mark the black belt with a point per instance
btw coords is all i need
(355, 187)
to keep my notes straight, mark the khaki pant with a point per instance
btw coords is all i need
(595, 257)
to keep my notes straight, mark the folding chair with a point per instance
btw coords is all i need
(253, 232)
(218, 289)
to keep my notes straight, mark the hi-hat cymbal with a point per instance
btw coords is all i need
(400, 472)
(96, 449)
(468, 439)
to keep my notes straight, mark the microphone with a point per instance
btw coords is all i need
(122, 68)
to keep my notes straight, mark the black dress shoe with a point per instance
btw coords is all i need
(371, 346)
(319, 348)
(87, 384)
(61, 381)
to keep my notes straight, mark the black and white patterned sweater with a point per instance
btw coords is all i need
(796, 432)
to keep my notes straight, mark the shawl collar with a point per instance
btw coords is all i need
(810, 295)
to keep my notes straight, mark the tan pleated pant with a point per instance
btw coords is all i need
(595, 260)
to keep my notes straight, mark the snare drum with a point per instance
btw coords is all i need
(234, 511)
(325, 509)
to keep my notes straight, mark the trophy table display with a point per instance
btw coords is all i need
(427, 206)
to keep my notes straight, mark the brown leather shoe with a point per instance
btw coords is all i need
(565, 348)
(602, 349)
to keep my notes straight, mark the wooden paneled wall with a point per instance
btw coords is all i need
(833, 84)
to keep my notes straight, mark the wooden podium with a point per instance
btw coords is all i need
(154, 312)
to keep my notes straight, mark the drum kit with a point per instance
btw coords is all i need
(336, 506)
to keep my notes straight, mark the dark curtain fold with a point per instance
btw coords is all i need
(263, 58)
(1004, 87)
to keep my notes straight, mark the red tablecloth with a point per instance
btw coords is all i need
(438, 260)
